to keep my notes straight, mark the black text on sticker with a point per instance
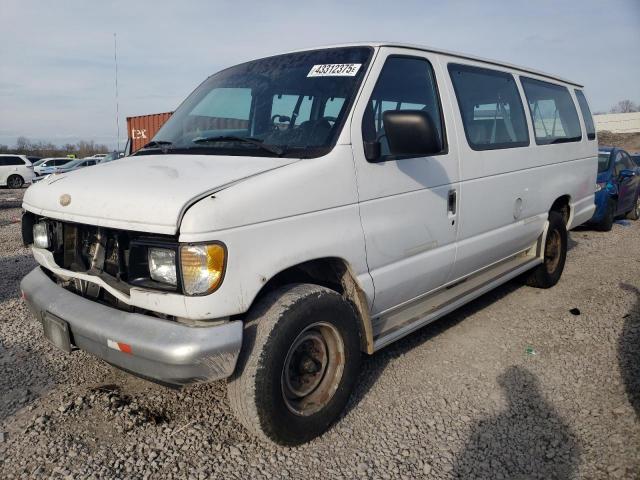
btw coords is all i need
(335, 70)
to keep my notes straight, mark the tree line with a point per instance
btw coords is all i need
(623, 106)
(42, 149)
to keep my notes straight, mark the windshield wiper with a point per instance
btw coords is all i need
(233, 138)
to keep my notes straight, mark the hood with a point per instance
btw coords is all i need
(148, 193)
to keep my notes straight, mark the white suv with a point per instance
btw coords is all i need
(15, 170)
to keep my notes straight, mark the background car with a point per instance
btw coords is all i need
(15, 170)
(636, 158)
(110, 157)
(76, 164)
(617, 188)
(49, 165)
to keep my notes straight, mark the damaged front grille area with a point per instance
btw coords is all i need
(117, 257)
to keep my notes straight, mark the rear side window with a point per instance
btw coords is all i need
(405, 83)
(586, 115)
(11, 161)
(490, 106)
(553, 112)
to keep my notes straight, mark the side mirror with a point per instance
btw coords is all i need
(627, 173)
(411, 132)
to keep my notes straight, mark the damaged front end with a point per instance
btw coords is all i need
(90, 292)
(119, 258)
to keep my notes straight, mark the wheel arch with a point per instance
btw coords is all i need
(333, 273)
(562, 205)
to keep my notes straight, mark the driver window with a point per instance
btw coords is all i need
(619, 164)
(405, 83)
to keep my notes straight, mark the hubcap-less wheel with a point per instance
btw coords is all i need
(15, 182)
(313, 369)
(552, 251)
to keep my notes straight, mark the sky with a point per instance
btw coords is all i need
(57, 76)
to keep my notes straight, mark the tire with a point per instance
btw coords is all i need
(15, 181)
(607, 222)
(634, 214)
(549, 272)
(290, 406)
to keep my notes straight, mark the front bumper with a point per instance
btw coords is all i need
(160, 350)
(601, 200)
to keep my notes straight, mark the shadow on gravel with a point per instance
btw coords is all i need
(571, 243)
(527, 440)
(24, 377)
(12, 270)
(629, 350)
(373, 366)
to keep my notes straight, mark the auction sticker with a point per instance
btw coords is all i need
(335, 70)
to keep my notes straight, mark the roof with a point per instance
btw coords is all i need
(449, 53)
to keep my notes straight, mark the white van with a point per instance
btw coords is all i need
(301, 210)
(15, 170)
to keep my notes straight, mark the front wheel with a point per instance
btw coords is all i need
(299, 362)
(548, 273)
(15, 181)
(610, 215)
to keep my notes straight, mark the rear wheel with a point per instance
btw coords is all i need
(634, 214)
(549, 272)
(15, 181)
(299, 362)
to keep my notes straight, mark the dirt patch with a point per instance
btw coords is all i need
(627, 141)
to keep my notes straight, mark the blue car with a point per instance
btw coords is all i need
(617, 188)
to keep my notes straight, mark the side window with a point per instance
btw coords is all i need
(490, 106)
(619, 165)
(554, 115)
(14, 161)
(332, 107)
(3, 161)
(405, 83)
(290, 108)
(586, 115)
(628, 163)
(222, 109)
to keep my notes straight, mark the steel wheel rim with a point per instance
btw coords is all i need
(313, 368)
(14, 182)
(552, 251)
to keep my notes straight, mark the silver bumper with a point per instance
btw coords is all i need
(160, 350)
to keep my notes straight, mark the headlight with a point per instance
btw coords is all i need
(40, 235)
(202, 267)
(162, 265)
(600, 186)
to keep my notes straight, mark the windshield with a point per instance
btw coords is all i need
(72, 163)
(290, 105)
(604, 160)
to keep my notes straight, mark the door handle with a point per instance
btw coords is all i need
(452, 201)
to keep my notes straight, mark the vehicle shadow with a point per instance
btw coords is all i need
(629, 350)
(373, 366)
(24, 377)
(527, 440)
(12, 269)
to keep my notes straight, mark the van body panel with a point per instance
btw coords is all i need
(409, 232)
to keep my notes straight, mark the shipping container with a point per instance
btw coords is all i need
(142, 128)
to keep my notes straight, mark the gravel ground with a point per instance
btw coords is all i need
(513, 385)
